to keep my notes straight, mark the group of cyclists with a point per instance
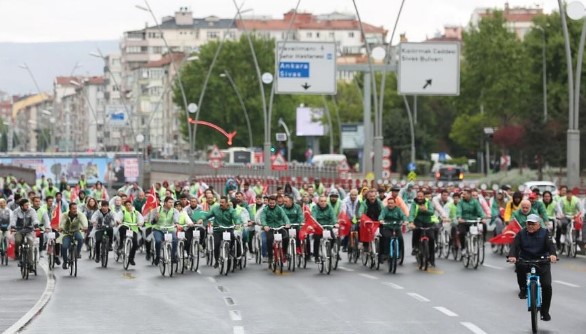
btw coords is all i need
(86, 213)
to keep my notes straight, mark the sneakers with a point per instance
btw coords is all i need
(464, 252)
(148, 256)
(523, 294)
(131, 261)
(414, 251)
(156, 263)
(97, 259)
(57, 260)
(545, 317)
(64, 266)
(216, 265)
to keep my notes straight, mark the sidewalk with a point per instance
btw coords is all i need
(18, 295)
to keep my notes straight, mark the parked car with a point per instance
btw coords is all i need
(541, 185)
(449, 173)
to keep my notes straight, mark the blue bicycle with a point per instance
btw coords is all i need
(534, 297)
(396, 253)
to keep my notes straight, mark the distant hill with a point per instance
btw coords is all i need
(48, 60)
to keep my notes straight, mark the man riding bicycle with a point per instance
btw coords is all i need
(569, 206)
(468, 209)
(103, 221)
(391, 219)
(273, 216)
(532, 243)
(164, 219)
(132, 219)
(324, 215)
(224, 218)
(71, 224)
(23, 220)
(421, 215)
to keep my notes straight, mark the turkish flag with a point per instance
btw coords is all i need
(345, 224)
(508, 235)
(56, 217)
(367, 228)
(265, 189)
(151, 202)
(578, 222)
(310, 226)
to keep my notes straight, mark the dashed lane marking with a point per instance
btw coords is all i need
(368, 276)
(238, 330)
(393, 285)
(567, 284)
(493, 267)
(473, 328)
(235, 315)
(418, 297)
(346, 269)
(445, 311)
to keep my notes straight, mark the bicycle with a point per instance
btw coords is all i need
(166, 262)
(534, 298)
(570, 245)
(104, 248)
(72, 260)
(239, 248)
(353, 250)
(181, 258)
(4, 249)
(51, 250)
(325, 251)
(195, 250)
(225, 259)
(116, 247)
(210, 246)
(91, 243)
(472, 239)
(442, 247)
(277, 261)
(423, 253)
(396, 252)
(370, 255)
(292, 248)
(257, 244)
(127, 246)
(302, 253)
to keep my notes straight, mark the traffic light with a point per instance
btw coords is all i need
(273, 149)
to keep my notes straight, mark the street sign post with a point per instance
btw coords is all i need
(429, 68)
(281, 136)
(306, 68)
(279, 163)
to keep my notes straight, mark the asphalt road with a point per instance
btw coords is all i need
(353, 299)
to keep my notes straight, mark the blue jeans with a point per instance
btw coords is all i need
(67, 242)
(159, 237)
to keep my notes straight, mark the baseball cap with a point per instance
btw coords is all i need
(334, 192)
(533, 218)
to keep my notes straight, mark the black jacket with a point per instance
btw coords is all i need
(532, 246)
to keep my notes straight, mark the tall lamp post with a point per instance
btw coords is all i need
(576, 11)
(226, 74)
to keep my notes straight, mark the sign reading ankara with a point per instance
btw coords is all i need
(306, 68)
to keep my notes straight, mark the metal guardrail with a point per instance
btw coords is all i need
(182, 167)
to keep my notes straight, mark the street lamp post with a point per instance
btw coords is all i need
(289, 142)
(226, 74)
(575, 11)
(25, 66)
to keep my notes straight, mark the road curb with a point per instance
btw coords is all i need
(38, 307)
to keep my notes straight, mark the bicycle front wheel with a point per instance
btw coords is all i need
(475, 252)
(24, 262)
(104, 250)
(126, 254)
(168, 258)
(446, 244)
(394, 255)
(425, 254)
(533, 305)
(181, 257)
(335, 255)
(328, 257)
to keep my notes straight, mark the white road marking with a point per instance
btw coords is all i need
(368, 276)
(211, 279)
(445, 311)
(567, 284)
(393, 285)
(473, 328)
(345, 269)
(418, 297)
(493, 267)
(235, 315)
(238, 330)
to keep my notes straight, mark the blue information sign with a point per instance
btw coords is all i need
(293, 70)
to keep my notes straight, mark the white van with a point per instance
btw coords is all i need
(328, 160)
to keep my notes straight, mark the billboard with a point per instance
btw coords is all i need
(116, 115)
(352, 136)
(103, 169)
(309, 122)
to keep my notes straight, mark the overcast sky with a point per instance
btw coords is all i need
(77, 20)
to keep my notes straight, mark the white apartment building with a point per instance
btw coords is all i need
(519, 20)
(30, 129)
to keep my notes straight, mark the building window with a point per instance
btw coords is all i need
(351, 34)
(309, 35)
(133, 49)
(332, 34)
(157, 49)
(317, 35)
(213, 35)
